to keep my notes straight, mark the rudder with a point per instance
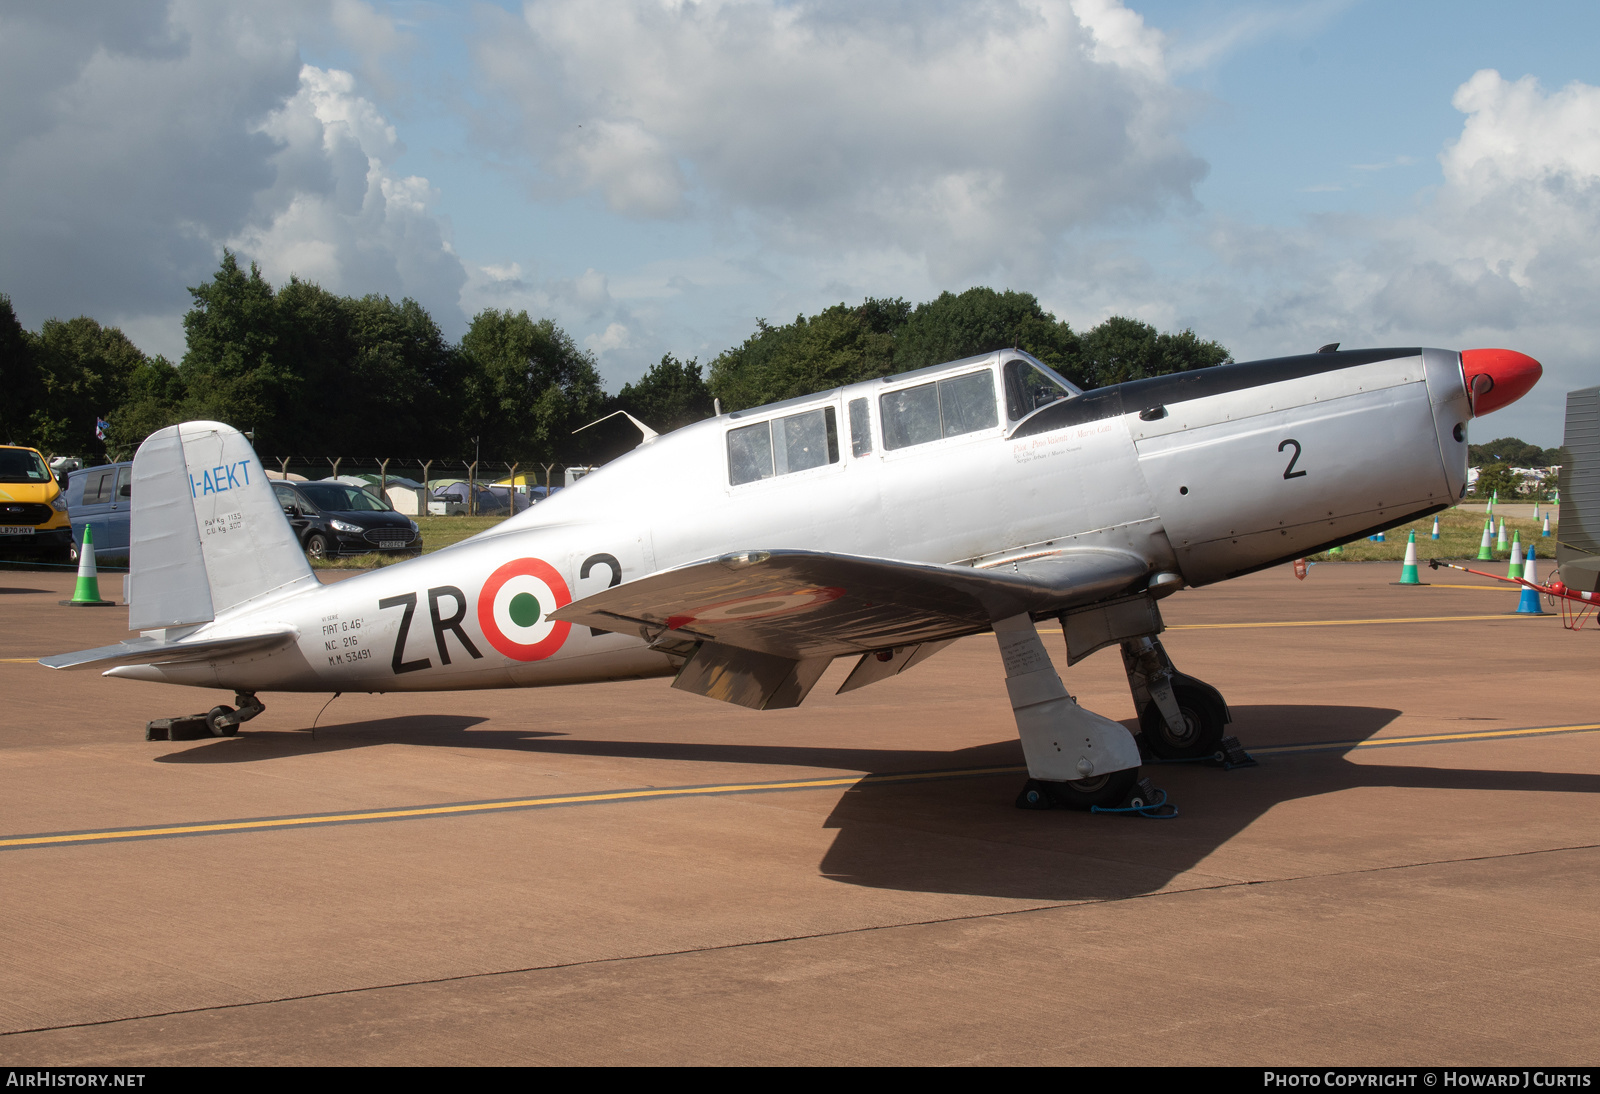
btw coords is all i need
(207, 532)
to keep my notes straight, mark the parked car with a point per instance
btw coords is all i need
(333, 518)
(101, 498)
(33, 507)
(454, 496)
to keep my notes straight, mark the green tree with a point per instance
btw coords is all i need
(84, 369)
(527, 387)
(408, 377)
(21, 390)
(231, 370)
(1513, 451)
(671, 395)
(840, 345)
(153, 400)
(1122, 349)
(1497, 477)
(981, 320)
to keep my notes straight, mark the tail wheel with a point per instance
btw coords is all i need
(317, 546)
(217, 727)
(1203, 725)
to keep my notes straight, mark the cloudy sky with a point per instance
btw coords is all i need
(656, 174)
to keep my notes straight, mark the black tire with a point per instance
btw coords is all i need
(1204, 723)
(317, 546)
(1106, 791)
(218, 729)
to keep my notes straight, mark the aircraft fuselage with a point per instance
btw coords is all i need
(1206, 475)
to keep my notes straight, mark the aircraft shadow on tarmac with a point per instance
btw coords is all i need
(964, 835)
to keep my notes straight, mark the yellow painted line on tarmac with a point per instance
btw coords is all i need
(1426, 739)
(114, 835)
(1507, 589)
(19, 660)
(1350, 622)
(1334, 622)
(456, 808)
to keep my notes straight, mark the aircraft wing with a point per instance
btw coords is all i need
(762, 625)
(144, 651)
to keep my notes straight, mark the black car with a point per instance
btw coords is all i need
(331, 518)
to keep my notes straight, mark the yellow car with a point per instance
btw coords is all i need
(33, 507)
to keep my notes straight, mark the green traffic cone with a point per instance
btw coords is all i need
(87, 593)
(1408, 569)
(1335, 551)
(1516, 555)
(1485, 551)
(1500, 543)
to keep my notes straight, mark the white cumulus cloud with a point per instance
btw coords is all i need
(337, 214)
(971, 135)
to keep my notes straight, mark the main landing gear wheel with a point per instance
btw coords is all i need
(1203, 724)
(317, 546)
(1106, 791)
(217, 726)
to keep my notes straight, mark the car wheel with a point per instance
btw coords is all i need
(317, 546)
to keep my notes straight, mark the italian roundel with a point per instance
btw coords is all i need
(514, 609)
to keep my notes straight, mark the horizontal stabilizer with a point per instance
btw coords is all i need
(146, 651)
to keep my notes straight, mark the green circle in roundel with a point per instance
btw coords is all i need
(524, 609)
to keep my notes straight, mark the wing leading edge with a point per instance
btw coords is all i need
(759, 627)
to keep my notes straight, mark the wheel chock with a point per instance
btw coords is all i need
(1034, 796)
(190, 728)
(1230, 754)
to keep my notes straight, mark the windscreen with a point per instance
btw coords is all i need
(22, 465)
(1028, 388)
(335, 497)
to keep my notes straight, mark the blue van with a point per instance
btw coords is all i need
(101, 498)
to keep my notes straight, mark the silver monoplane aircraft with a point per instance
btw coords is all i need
(878, 521)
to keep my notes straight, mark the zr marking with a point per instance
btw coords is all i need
(409, 602)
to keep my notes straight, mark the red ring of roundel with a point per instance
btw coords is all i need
(523, 651)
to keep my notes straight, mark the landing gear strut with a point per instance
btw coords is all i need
(1180, 718)
(219, 721)
(1076, 758)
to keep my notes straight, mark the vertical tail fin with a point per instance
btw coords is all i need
(207, 532)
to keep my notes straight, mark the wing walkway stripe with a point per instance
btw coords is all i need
(459, 808)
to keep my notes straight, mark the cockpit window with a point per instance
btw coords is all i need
(783, 446)
(946, 408)
(1029, 387)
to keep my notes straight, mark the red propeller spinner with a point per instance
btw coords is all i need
(1497, 377)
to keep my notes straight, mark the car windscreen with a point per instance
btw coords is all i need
(22, 465)
(335, 497)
